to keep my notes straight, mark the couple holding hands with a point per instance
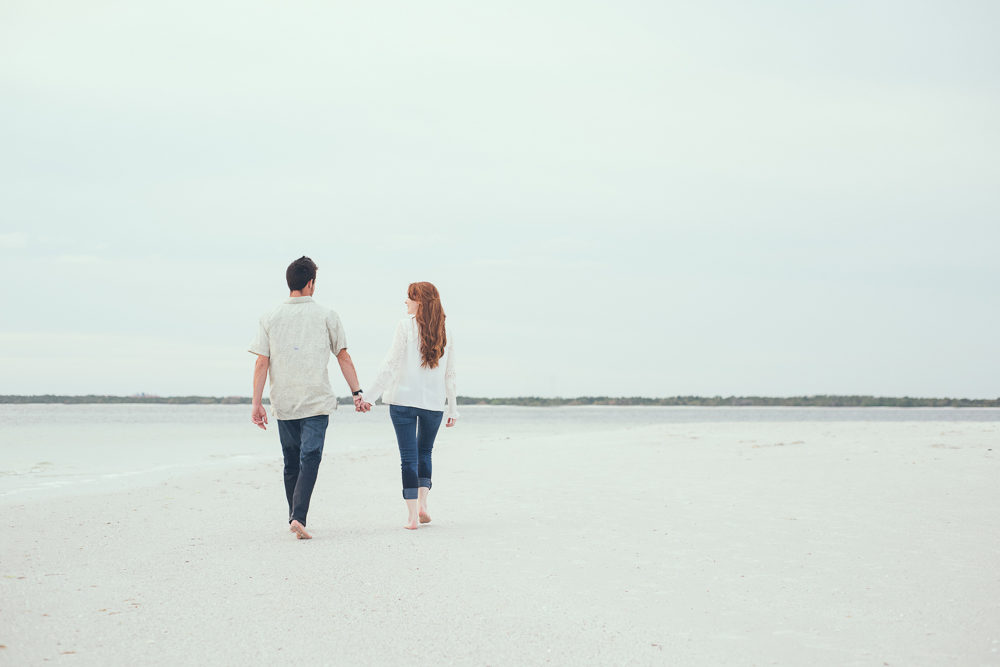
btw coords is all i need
(293, 345)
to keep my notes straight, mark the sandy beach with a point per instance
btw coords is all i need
(785, 543)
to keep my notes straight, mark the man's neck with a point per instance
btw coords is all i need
(295, 293)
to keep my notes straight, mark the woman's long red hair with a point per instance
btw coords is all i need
(430, 318)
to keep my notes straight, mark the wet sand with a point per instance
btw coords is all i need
(819, 543)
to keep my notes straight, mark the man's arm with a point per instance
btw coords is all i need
(347, 368)
(258, 414)
(351, 375)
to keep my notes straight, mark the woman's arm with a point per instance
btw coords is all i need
(449, 383)
(389, 370)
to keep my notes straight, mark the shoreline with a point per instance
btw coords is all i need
(58, 450)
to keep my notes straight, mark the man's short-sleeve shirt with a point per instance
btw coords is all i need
(298, 337)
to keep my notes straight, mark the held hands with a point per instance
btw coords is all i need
(259, 416)
(360, 404)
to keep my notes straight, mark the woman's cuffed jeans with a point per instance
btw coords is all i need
(302, 446)
(416, 429)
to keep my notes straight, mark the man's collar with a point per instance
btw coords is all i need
(299, 299)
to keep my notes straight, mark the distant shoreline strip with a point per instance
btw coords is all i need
(535, 401)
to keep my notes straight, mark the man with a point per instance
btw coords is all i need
(293, 344)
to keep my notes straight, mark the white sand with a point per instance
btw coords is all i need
(690, 544)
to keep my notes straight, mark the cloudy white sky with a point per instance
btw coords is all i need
(614, 198)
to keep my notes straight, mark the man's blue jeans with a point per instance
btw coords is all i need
(302, 445)
(416, 429)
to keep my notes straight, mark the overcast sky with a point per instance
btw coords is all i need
(614, 198)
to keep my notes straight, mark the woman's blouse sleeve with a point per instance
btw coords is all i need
(389, 370)
(449, 380)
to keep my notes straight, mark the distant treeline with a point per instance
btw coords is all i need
(535, 401)
(794, 401)
(174, 400)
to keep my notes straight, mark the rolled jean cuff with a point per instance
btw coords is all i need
(409, 494)
(424, 482)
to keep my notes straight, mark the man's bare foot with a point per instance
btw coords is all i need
(300, 531)
(424, 516)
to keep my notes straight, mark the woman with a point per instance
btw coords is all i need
(416, 377)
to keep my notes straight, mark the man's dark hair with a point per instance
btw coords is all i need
(300, 272)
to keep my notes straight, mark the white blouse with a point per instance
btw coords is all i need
(402, 380)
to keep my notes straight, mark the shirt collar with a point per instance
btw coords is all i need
(299, 299)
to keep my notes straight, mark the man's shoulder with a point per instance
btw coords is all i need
(329, 313)
(286, 309)
(317, 313)
(271, 314)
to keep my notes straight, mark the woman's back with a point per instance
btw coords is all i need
(417, 385)
(404, 379)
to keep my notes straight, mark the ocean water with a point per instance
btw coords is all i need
(64, 449)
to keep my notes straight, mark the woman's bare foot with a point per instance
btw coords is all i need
(300, 531)
(422, 504)
(412, 507)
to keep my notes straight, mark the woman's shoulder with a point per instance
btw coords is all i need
(407, 324)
